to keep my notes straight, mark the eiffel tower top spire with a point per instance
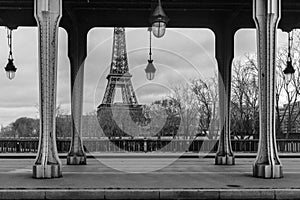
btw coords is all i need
(119, 76)
(119, 63)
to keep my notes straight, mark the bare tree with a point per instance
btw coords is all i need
(164, 117)
(244, 98)
(207, 99)
(187, 109)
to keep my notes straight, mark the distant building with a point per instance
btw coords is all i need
(295, 116)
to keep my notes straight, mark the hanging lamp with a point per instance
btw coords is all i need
(289, 70)
(10, 67)
(150, 69)
(159, 21)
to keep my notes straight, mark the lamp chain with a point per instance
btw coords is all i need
(9, 40)
(150, 47)
(290, 43)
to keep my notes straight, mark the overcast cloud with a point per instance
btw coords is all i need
(182, 54)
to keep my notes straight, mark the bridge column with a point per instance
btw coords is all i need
(224, 55)
(47, 14)
(77, 54)
(266, 16)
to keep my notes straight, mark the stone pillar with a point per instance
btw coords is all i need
(77, 54)
(224, 55)
(266, 16)
(47, 14)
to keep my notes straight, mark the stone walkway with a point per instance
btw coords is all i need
(140, 177)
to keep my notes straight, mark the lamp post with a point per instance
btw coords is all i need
(159, 21)
(289, 70)
(10, 67)
(150, 69)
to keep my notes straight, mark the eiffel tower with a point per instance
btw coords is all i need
(119, 78)
(119, 75)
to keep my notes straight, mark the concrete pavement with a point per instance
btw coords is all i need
(149, 178)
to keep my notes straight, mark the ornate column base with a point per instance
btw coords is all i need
(225, 159)
(46, 171)
(267, 171)
(76, 160)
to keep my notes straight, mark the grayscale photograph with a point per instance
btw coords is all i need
(150, 99)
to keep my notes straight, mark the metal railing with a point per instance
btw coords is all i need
(146, 145)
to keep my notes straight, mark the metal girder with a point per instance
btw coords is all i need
(135, 13)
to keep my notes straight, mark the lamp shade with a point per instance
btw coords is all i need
(159, 21)
(150, 70)
(158, 29)
(289, 70)
(10, 69)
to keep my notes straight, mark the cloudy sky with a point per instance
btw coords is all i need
(182, 54)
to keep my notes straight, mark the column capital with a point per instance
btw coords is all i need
(53, 7)
(266, 7)
(77, 44)
(224, 39)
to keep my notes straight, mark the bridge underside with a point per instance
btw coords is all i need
(135, 13)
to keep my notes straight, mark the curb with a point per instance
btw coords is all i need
(163, 194)
(144, 155)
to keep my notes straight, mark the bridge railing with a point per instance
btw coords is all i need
(146, 145)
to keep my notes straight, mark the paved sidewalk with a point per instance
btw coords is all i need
(144, 155)
(149, 178)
